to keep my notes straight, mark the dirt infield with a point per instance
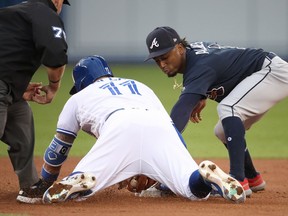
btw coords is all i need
(272, 201)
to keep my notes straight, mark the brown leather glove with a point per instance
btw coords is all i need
(137, 183)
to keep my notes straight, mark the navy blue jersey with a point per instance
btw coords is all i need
(213, 70)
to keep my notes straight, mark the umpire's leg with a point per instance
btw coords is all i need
(19, 135)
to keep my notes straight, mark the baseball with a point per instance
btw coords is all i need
(134, 183)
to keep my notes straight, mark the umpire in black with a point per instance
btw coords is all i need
(31, 34)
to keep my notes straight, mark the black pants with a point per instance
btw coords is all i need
(17, 131)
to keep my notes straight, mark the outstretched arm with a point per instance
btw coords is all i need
(32, 90)
(49, 91)
(182, 110)
(196, 113)
(55, 155)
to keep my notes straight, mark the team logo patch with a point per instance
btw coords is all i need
(52, 156)
(154, 43)
(215, 92)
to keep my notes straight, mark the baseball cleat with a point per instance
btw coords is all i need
(257, 183)
(227, 186)
(246, 187)
(33, 194)
(69, 188)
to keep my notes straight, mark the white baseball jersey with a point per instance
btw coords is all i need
(135, 135)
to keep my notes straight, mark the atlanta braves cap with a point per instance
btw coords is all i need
(161, 40)
(66, 2)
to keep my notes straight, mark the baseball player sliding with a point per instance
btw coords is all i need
(246, 82)
(135, 135)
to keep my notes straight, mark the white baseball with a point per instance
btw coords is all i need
(134, 183)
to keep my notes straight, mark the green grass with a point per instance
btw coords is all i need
(266, 139)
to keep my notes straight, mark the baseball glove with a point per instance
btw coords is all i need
(137, 183)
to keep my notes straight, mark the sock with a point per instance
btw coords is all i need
(47, 176)
(250, 171)
(163, 187)
(198, 186)
(235, 138)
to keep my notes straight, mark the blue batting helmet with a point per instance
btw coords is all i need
(87, 70)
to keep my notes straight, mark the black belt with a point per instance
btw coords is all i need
(271, 55)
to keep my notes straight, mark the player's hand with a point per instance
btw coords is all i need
(32, 90)
(196, 113)
(46, 95)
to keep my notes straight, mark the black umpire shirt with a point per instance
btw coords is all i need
(31, 34)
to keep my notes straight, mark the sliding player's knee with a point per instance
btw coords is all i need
(219, 132)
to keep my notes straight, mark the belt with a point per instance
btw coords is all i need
(113, 113)
(271, 55)
(133, 108)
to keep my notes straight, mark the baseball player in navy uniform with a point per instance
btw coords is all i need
(5, 3)
(135, 135)
(31, 34)
(246, 82)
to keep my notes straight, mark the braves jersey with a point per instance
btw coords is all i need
(90, 108)
(213, 70)
(31, 34)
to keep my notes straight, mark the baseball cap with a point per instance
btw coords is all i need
(161, 40)
(66, 2)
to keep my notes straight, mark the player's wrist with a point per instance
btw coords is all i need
(54, 85)
(54, 81)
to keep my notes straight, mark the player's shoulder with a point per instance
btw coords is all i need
(33, 5)
(41, 11)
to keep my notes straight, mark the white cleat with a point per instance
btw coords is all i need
(227, 186)
(69, 188)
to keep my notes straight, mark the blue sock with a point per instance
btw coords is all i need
(163, 187)
(235, 138)
(198, 186)
(250, 171)
(47, 176)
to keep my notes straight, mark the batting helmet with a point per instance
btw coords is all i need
(87, 70)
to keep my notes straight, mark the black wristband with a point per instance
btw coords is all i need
(54, 82)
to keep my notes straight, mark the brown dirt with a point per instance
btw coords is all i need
(272, 201)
